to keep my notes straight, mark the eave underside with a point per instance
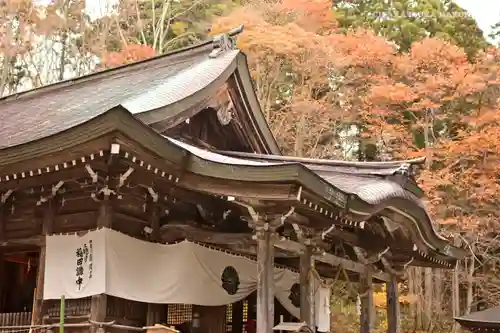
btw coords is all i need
(479, 327)
(271, 187)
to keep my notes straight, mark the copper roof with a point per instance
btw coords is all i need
(489, 316)
(152, 90)
(52, 109)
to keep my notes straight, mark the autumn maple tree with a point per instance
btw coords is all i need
(331, 93)
(128, 54)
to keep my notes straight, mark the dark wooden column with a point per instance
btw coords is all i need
(2, 263)
(212, 318)
(49, 213)
(237, 317)
(98, 307)
(306, 288)
(265, 279)
(393, 314)
(155, 311)
(367, 319)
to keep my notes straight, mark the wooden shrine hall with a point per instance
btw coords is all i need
(155, 193)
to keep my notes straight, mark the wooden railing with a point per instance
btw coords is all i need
(15, 319)
(74, 307)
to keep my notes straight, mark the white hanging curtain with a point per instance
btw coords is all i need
(108, 262)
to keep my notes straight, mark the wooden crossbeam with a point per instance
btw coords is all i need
(332, 260)
(244, 241)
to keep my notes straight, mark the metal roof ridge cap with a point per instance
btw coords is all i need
(182, 145)
(387, 164)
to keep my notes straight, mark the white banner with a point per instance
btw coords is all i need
(108, 262)
(75, 266)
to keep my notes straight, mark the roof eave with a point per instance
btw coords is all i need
(247, 91)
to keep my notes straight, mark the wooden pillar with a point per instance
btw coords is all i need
(367, 320)
(212, 318)
(393, 314)
(2, 262)
(237, 317)
(2, 279)
(98, 307)
(155, 311)
(265, 279)
(307, 288)
(47, 229)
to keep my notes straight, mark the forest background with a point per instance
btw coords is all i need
(354, 80)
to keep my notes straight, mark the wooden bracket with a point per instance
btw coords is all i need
(5, 196)
(369, 260)
(392, 271)
(55, 189)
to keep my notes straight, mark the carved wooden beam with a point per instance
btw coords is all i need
(35, 240)
(242, 243)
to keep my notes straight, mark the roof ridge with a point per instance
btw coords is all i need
(204, 47)
(325, 162)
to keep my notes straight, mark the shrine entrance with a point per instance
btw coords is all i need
(18, 275)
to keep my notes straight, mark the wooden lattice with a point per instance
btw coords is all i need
(179, 313)
(229, 318)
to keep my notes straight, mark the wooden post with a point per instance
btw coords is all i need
(2, 279)
(265, 279)
(47, 229)
(237, 317)
(306, 288)
(393, 314)
(2, 263)
(212, 318)
(98, 304)
(155, 311)
(367, 320)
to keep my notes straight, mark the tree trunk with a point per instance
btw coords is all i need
(456, 290)
(419, 293)
(438, 290)
(428, 298)
(470, 285)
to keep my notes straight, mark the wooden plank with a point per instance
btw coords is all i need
(367, 318)
(393, 314)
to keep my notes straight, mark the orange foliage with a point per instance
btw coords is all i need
(293, 54)
(430, 101)
(453, 104)
(129, 53)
